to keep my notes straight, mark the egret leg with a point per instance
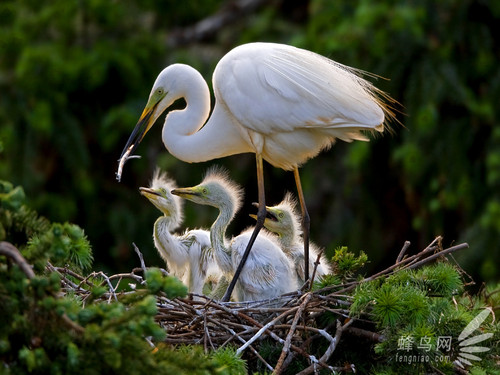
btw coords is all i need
(261, 216)
(305, 221)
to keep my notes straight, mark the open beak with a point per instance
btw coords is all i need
(270, 215)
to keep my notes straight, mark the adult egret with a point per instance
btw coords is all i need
(189, 256)
(283, 220)
(268, 272)
(283, 103)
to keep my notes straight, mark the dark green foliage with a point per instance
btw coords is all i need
(41, 241)
(73, 86)
(326, 281)
(346, 264)
(440, 174)
(17, 221)
(36, 338)
(229, 362)
(441, 279)
(74, 76)
(47, 330)
(62, 244)
(421, 306)
(171, 286)
(405, 298)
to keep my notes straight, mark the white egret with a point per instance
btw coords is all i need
(283, 220)
(283, 103)
(268, 272)
(189, 256)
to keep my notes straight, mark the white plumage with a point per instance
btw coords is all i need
(268, 272)
(283, 103)
(280, 102)
(283, 220)
(189, 256)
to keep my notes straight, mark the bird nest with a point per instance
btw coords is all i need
(290, 321)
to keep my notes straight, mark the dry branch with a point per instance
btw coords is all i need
(12, 252)
(290, 321)
(231, 12)
(244, 325)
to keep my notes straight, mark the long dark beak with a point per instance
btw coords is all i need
(139, 131)
(141, 128)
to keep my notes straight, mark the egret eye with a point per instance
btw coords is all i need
(159, 91)
(205, 191)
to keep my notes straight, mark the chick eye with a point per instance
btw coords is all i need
(281, 215)
(205, 191)
(163, 191)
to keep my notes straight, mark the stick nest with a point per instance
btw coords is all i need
(291, 321)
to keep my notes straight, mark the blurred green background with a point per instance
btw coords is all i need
(75, 76)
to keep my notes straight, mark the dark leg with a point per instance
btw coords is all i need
(261, 216)
(305, 221)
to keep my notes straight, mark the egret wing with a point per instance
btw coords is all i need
(273, 88)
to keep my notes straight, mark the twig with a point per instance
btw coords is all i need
(373, 336)
(288, 320)
(78, 328)
(403, 251)
(316, 264)
(288, 341)
(331, 348)
(264, 329)
(141, 259)
(232, 12)
(111, 288)
(237, 336)
(12, 252)
(437, 255)
(407, 263)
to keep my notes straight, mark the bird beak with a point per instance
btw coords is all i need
(148, 192)
(255, 204)
(145, 123)
(270, 215)
(140, 130)
(186, 192)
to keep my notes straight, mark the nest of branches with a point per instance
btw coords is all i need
(291, 321)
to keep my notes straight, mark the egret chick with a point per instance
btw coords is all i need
(284, 220)
(268, 272)
(189, 256)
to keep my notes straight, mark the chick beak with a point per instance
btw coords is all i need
(148, 192)
(269, 213)
(185, 192)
